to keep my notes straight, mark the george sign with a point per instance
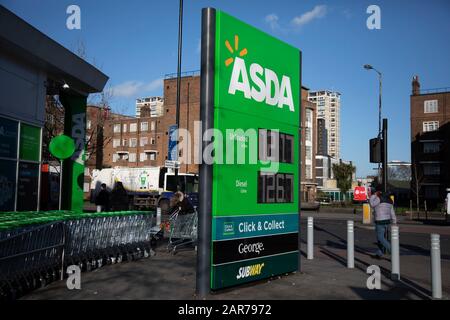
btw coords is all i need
(30, 142)
(255, 204)
(172, 150)
(8, 138)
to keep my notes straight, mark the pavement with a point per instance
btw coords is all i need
(167, 276)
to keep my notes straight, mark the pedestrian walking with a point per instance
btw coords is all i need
(384, 216)
(102, 199)
(119, 198)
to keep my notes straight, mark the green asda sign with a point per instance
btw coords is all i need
(251, 95)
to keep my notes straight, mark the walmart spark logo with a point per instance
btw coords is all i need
(270, 90)
(236, 48)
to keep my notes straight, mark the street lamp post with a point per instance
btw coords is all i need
(369, 67)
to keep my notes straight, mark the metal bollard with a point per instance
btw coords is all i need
(310, 253)
(158, 217)
(350, 245)
(395, 253)
(436, 281)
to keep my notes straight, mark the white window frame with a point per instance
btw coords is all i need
(431, 147)
(116, 143)
(152, 126)
(116, 128)
(133, 127)
(115, 157)
(152, 155)
(132, 157)
(124, 127)
(144, 126)
(430, 126)
(133, 142)
(143, 156)
(430, 106)
(142, 140)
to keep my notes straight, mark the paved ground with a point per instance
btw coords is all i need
(165, 276)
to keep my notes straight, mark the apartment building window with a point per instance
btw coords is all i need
(152, 126)
(143, 156)
(429, 126)
(144, 126)
(116, 143)
(308, 153)
(308, 134)
(152, 141)
(88, 124)
(124, 127)
(144, 141)
(124, 142)
(432, 169)
(132, 157)
(115, 157)
(431, 147)
(133, 127)
(117, 128)
(152, 156)
(308, 171)
(133, 142)
(430, 106)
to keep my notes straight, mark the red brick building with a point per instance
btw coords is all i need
(430, 143)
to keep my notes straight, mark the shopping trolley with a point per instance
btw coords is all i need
(30, 259)
(183, 230)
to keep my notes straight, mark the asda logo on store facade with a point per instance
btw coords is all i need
(257, 82)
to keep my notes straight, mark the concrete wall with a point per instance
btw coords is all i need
(22, 94)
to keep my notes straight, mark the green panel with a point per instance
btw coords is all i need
(251, 270)
(30, 142)
(73, 167)
(256, 86)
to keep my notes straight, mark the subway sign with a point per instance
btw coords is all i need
(255, 174)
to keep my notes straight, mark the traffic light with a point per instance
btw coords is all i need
(375, 147)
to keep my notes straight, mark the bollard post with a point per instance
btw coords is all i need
(310, 253)
(426, 210)
(366, 214)
(436, 281)
(158, 217)
(350, 245)
(395, 253)
(410, 210)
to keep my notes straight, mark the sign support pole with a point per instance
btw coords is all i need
(203, 279)
(60, 183)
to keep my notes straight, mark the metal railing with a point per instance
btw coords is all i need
(435, 90)
(183, 74)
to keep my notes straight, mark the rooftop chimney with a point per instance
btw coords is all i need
(415, 86)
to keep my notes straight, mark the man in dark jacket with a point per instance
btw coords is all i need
(119, 198)
(102, 199)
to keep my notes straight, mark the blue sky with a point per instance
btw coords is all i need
(135, 43)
